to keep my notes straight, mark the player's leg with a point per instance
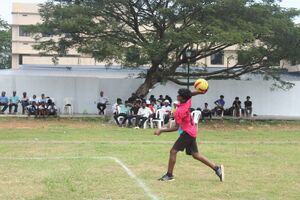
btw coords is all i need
(198, 156)
(193, 149)
(172, 160)
(117, 120)
(179, 145)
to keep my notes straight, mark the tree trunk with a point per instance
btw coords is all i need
(151, 79)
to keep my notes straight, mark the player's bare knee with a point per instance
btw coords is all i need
(173, 152)
(195, 155)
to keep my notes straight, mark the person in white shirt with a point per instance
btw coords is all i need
(142, 116)
(102, 102)
(33, 106)
(166, 108)
(24, 102)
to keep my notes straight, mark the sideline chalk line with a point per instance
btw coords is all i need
(140, 142)
(139, 182)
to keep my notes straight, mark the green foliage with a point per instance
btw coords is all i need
(5, 45)
(157, 33)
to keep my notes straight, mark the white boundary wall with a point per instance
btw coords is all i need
(85, 91)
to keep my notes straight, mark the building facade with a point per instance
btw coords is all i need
(23, 53)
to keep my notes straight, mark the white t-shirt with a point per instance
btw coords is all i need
(166, 109)
(33, 100)
(103, 100)
(144, 112)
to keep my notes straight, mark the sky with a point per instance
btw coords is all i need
(5, 8)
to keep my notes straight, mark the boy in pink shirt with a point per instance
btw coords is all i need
(188, 134)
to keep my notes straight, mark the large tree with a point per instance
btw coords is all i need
(5, 45)
(157, 33)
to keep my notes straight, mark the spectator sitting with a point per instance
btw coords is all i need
(142, 116)
(174, 107)
(42, 105)
(151, 107)
(102, 102)
(3, 102)
(142, 98)
(248, 107)
(51, 107)
(122, 112)
(116, 105)
(33, 106)
(132, 99)
(166, 109)
(220, 103)
(154, 105)
(160, 100)
(152, 98)
(169, 99)
(133, 112)
(24, 102)
(237, 105)
(13, 102)
(206, 112)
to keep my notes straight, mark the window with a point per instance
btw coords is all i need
(217, 59)
(20, 59)
(23, 32)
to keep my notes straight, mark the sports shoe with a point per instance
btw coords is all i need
(220, 172)
(166, 178)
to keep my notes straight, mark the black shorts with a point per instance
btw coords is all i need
(187, 142)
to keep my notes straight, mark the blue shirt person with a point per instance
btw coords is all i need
(3, 102)
(14, 100)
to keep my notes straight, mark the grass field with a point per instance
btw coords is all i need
(70, 159)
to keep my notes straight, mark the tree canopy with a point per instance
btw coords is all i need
(157, 33)
(5, 45)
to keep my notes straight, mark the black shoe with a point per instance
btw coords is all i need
(220, 172)
(166, 178)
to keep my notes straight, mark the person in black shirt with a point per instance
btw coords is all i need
(132, 99)
(134, 111)
(206, 112)
(248, 107)
(167, 97)
(237, 105)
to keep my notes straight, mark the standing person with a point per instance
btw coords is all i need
(248, 107)
(237, 105)
(102, 102)
(14, 100)
(24, 102)
(3, 102)
(187, 139)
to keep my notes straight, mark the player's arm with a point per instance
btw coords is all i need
(172, 129)
(195, 93)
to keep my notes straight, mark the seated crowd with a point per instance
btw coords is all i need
(42, 106)
(142, 110)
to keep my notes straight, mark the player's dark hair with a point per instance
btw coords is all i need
(186, 94)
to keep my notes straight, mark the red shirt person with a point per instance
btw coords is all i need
(187, 138)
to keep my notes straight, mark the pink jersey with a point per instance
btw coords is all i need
(184, 119)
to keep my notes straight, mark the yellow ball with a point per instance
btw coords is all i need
(201, 85)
